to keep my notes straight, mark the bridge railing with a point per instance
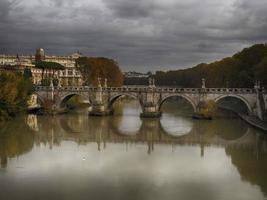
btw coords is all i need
(230, 90)
(146, 89)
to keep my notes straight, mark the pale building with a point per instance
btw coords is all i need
(69, 76)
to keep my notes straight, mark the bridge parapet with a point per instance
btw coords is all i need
(145, 89)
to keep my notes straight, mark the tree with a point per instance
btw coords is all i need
(27, 73)
(99, 67)
(240, 70)
(208, 109)
(261, 72)
(14, 92)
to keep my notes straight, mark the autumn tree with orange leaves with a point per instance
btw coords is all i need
(93, 68)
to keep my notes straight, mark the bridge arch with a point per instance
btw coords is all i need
(188, 99)
(117, 96)
(249, 107)
(63, 99)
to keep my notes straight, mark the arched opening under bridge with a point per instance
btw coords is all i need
(73, 101)
(126, 111)
(232, 104)
(177, 111)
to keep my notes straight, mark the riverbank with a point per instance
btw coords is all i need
(254, 121)
(251, 120)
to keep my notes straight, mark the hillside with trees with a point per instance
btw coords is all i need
(240, 70)
(93, 68)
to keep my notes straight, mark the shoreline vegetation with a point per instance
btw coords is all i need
(15, 89)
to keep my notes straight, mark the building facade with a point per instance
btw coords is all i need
(66, 77)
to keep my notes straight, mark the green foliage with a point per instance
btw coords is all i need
(208, 109)
(14, 92)
(261, 71)
(49, 65)
(27, 73)
(92, 68)
(240, 70)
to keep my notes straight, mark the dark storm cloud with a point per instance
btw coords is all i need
(131, 9)
(5, 6)
(140, 35)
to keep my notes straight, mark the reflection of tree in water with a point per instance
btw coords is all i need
(15, 139)
(251, 162)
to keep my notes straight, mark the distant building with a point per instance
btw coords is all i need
(69, 76)
(133, 74)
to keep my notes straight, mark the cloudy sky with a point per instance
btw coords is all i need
(140, 34)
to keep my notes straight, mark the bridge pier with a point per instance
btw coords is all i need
(150, 114)
(99, 101)
(150, 105)
(150, 111)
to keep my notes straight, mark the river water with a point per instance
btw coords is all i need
(74, 156)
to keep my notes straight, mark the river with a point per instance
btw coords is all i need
(73, 156)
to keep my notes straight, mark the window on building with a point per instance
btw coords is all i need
(70, 72)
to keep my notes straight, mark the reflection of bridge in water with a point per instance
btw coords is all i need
(102, 131)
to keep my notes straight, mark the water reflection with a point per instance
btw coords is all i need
(176, 126)
(15, 140)
(131, 158)
(130, 123)
(83, 129)
(80, 128)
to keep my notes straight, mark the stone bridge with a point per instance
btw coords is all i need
(150, 97)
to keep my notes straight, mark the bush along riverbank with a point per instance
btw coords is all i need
(15, 89)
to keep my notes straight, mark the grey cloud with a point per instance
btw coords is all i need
(130, 9)
(142, 35)
(5, 7)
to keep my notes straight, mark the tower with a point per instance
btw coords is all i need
(39, 55)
